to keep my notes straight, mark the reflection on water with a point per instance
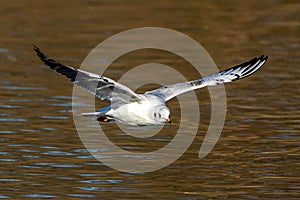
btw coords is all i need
(41, 155)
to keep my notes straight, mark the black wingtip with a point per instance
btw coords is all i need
(266, 58)
(36, 49)
(65, 70)
(253, 65)
(263, 58)
(45, 58)
(39, 52)
(254, 60)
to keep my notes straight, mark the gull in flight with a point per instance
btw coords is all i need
(143, 109)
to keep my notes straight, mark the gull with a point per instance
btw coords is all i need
(143, 109)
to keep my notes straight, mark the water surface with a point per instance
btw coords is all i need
(257, 156)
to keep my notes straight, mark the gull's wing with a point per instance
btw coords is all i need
(226, 76)
(100, 86)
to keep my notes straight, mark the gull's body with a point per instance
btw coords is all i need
(143, 109)
(144, 112)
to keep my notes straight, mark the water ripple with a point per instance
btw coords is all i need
(10, 106)
(2, 50)
(4, 197)
(7, 132)
(57, 165)
(82, 195)
(28, 150)
(5, 114)
(62, 97)
(66, 111)
(49, 129)
(48, 147)
(102, 181)
(10, 180)
(90, 175)
(29, 130)
(15, 100)
(54, 117)
(21, 88)
(43, 196)
(8, 160)
(65, 165)
(58, 153)
(31, 157)
(13, 120)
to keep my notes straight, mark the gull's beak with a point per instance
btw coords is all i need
(168, 120)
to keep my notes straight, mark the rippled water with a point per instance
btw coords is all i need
(257, 156)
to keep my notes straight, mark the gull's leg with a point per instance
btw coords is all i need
(104, 118)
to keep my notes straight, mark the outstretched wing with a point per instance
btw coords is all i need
(226, 76)
(100, 86)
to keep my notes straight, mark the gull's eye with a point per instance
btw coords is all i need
(155, 115)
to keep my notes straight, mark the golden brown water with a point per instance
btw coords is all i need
(257, 156)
